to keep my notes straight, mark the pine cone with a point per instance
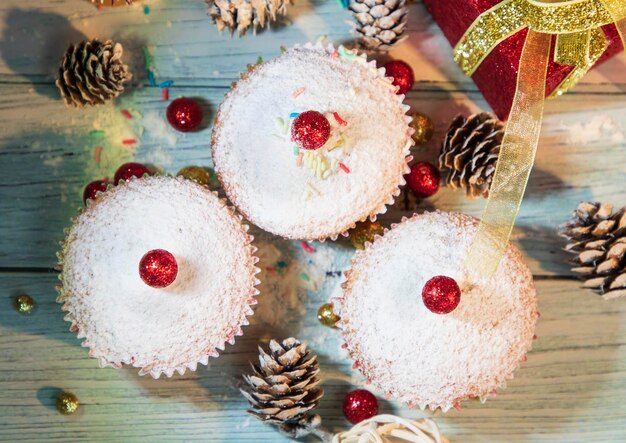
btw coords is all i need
(470, 152)
(380, 23)
(597, 236)
(241, 14)
(282, 388)
(92, 73)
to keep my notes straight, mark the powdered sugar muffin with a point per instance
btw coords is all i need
(418, 356)
(283, 180)
(126, 318)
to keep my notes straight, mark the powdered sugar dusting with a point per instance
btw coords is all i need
(420, 357)
(259, 171)
(158, 330)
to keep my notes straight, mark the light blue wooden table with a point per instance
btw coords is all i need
(572, 388)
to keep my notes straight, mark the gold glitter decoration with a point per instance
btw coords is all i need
(580, 42)
(326, 316)
(516, 158)
(495, 25)
(423, 126)
(24, 304)
(197, 174)
(365, 232)
(67, 403)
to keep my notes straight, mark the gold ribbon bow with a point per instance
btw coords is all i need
(580, 42)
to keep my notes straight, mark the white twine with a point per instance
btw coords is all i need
(390, 428)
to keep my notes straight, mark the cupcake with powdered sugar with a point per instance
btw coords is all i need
(311, 142)
(423, 329)
(157, 273)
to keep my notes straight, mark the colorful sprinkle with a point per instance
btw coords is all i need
(165, 94)
(339, 120)
(339, 142)
(344, 168)
(146, 10)
(281, 264)
(294, 114)
(259, 61)
(312, 189)
(129, 141)
(97, 154)
(296, 150)
(166, 84)
(299, 160)
(283, 49)
(334, 54)
(387, 84)
(97, 133)
(147, 58)
(151, 79)
(304, 276)
(281, 125)
(126, 113)
(307, 247)
(347, 54)
(297, 92)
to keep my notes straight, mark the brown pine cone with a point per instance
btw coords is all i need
(92, 73)
(283, 387)
(240, 15)
(380, 23)
(470, 152)
(597, 237)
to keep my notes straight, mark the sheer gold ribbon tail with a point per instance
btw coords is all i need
(517, 156)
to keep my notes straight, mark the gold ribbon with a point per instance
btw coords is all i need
(580, 42)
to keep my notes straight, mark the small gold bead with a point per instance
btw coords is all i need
(365, 232)
(67, 403)
(326, 316)
(423, 126)
(24, 304)
(197, 174)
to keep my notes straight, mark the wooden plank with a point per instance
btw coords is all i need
(188, 48)
(571, 388)
(47, 157)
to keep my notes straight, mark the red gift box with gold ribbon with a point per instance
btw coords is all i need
(496, 77)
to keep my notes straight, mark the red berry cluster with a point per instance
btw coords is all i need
(125, 172)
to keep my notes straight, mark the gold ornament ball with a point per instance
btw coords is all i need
(197, 174)
(423, 126)
(326, 316)
(365, 232)
(24, 304)
(67, 403)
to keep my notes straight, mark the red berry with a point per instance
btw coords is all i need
(359, 405)
(423, 179)
(184, 114)
(93, 188)
(441, 294)
(129, 170)
(402, 75)
(158, 268)
(310, 130)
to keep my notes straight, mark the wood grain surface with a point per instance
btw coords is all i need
(573, 386)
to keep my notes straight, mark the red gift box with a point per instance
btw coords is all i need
(496, 77)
